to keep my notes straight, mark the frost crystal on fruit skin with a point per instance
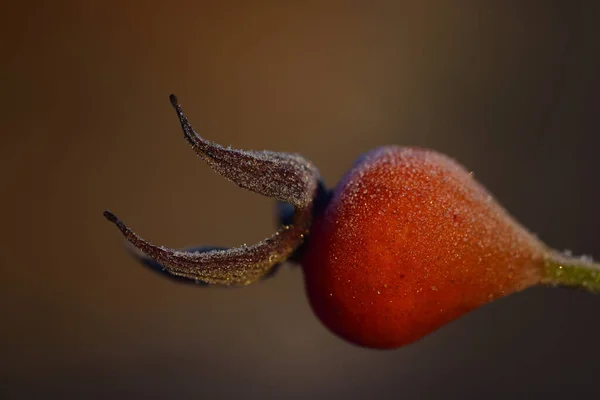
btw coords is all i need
(286, 177)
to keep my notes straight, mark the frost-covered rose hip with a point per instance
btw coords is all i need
(405, 243)
(408, 242)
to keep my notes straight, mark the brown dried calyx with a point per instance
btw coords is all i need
(286, 177)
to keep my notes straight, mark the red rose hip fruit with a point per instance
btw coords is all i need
(407, 241)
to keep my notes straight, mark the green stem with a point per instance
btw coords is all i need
(564, 270)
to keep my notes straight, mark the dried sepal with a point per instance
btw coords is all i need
(157, 267)
(235, 266)
(285, 177)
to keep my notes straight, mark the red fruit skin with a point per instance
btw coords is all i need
(409, 242)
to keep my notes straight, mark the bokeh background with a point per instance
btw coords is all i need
(509, 88)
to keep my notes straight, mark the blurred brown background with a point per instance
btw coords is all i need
(512, 90)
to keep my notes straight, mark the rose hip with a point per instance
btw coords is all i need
(405, 243)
